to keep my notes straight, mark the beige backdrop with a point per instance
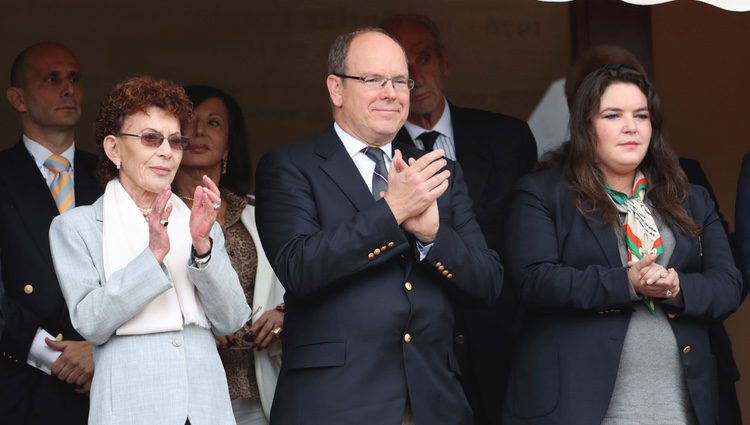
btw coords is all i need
(272, 55)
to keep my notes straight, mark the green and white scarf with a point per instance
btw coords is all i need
(640, 233)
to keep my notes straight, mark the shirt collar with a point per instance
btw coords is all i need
(40, 153)
(442, 126)
(354, 146)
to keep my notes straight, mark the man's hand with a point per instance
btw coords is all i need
(413, 188)
(424, 226)
(76, 363)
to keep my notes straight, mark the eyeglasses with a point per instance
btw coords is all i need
(377, 82)
(154, 140)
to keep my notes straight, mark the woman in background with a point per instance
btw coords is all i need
(621, 266)
(219, 149)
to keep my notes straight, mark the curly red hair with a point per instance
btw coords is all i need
(132, 96)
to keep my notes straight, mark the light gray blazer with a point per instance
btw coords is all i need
(161, 378)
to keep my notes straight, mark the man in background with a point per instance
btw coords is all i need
(494, 150)
(45, 367)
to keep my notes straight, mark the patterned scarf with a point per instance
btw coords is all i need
(640, 232)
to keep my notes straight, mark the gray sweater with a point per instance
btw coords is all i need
(650, 388)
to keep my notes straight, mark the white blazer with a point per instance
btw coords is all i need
(268, 293)
(160, 378)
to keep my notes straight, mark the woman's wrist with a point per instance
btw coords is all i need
(202, 247)
(201, 257)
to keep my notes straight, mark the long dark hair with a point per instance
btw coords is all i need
(239, 174)
(667, 183)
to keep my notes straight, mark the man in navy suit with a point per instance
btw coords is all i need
(494, 151)
(45, 367)
(372, 241)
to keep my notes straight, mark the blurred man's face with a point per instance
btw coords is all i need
(427, 67)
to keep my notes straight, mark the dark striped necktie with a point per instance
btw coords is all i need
(380, 175)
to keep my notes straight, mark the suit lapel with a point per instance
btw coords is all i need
(681, 243)
(403, 138)
(86, 189)
(605, 237)
(681, 249)
(471, 152)
(338, 165)
(30, 194)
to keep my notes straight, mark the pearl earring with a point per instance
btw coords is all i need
(117, 164)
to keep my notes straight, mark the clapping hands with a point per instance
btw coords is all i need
(652, 280)
(413, 190)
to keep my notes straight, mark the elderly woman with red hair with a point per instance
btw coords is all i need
(147, 280)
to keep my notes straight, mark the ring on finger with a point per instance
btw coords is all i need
(668, 293)
(277, 330)
(215, 205)
(164, 222)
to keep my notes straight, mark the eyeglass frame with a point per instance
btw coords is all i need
(184, 140)
(409, 82)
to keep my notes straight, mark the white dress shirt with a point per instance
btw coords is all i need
(443, 126)
(41, 356)
(364, 164)
(40, 154)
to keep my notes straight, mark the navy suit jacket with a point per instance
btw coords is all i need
(494, 151)
(28, 395)
(2, 296)
(742, 221)
(567, 271)
(355, 289)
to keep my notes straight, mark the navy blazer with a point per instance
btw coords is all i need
(367, 326)
(32, 293)
(567, 271)
(494, 151)
(742, 221)
(2, 297)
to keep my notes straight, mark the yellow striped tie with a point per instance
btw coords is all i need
(62, 185)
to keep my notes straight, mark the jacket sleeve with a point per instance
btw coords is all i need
(714, 291)
(542, 276)
(219, 289)
(459, 253)
(742, 221)
(2, 302)
(528, 150)
(306, 257)
(97, 310)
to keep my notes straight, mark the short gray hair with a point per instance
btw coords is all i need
(392, 22)
(340, 48)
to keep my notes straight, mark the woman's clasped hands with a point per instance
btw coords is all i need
(651, 279)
